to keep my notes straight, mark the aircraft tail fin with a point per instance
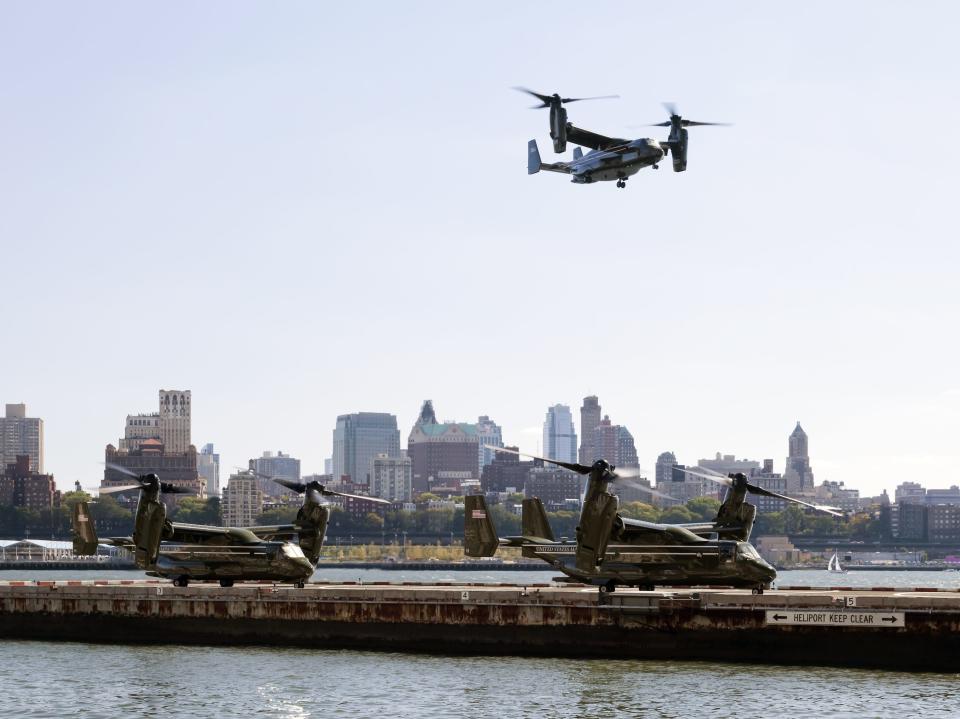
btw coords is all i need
(534, 520)
(577, 153)
(479, 535)
(533, 158)
(84, 533)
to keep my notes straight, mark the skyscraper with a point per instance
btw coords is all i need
(614, 443)
(664, 472)
(158, 443)
(392, 478)
(242, 500)
(559, 434)
(589, 421)
(280, 466)
(798, 474)
(208, 467)
(21, 435)
(175, 420)
(357, 440)
(488, 434)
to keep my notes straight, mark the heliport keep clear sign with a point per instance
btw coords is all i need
(807, 617)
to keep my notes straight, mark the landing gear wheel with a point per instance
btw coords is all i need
(608, 588)
(226, 583)
(656, 167)
(621, 183)
(299, 585)
(181, 581)
(758, 590)
(645, 587)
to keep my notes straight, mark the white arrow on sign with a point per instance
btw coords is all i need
(821, 618)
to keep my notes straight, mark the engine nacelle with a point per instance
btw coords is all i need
(678, 150)
(558, 126)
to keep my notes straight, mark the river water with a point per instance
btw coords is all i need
(45, 679)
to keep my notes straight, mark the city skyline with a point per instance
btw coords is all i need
(649, 467)
(222, 180)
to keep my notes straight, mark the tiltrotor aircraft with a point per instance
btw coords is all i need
(187, 552)
(610, 158)
(611, 549)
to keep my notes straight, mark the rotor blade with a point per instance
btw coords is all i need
(659, 124)
(298, 487)
(124, 488)
(578, 468)
(334, 493)
(167, 488)
(627, 472)
(652, 492)
(753, 489)
(671, 109)
(726, 481)
(122, 470)
(545, 99)
(597, 97)
(694, 123)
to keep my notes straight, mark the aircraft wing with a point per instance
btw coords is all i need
(592, 140)
(204, 534)
(276, 531)
(673, 533)
(122, 542)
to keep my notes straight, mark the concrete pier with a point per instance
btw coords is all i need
(902, 629)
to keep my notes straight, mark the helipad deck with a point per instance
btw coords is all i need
(912, 629)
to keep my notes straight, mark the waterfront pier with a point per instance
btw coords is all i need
(904, 629)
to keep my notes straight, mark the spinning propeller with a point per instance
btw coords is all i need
(314, 490)
(625, 475)
(549, 100)
(145, 481)
(675, 118)
(741, 480)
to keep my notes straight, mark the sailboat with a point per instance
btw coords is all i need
(834, 565)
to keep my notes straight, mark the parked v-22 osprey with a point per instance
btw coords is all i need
(609, 158)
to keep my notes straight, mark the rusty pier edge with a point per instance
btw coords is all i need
(715, 625)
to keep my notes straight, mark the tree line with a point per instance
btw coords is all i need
(113, 519)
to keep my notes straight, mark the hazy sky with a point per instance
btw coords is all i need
(298, 210)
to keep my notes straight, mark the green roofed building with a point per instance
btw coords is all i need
(436, 447)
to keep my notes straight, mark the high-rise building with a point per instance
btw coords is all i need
(436, 447)
(139, 428)
(766, 478)
(559, 434)
(208, 467)
(489, 435)
(614, 443)
(910, 493)
(175, 419)
(729, 464)
(358, 438)
(589, 421)
(158, 443)
(22, 487)
(798, 474)
(554, 486)
(392, 478)
(664, 471)
(507, 472)
(272, 466)
(242, 500)
(20, 434)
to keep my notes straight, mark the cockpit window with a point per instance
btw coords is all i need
(747, 550)
(293, 551)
